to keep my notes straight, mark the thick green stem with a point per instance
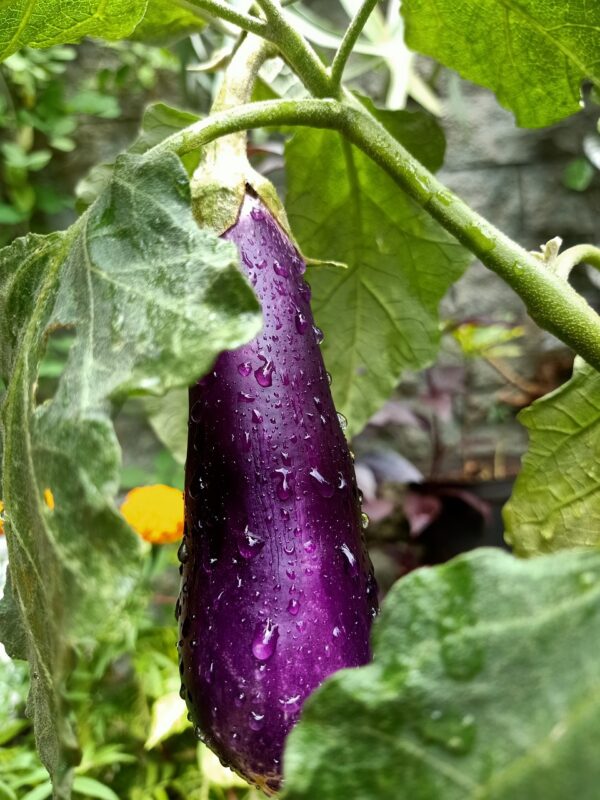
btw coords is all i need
(312, 113)
(224, 11)
(219, 183)
(580, 254)
(550, 300)
(350, 38)
(295, 49)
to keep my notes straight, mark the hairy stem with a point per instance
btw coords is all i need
(224, 11)
(312, 113)
(550, 300)
(295, 49)
(350, 38)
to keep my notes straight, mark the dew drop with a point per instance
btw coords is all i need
(257, 720)
(280, 269)
(364, 521)
(291, 703)
(342, 420)
(284, 489)
(324, 487)
(245, 397)
(196, 411)
(305, 290)
(250, 544)
(261, 264)
(182, 553)
(264, 374)
(310, 546)
(319, 335)
(257, 214)
(341, 481)
(293, 607)
(256, 415)
(301, 322)
(240, 699)
(350, 557)
(265, 640)
(245, 368)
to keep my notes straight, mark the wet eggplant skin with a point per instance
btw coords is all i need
(277, 589)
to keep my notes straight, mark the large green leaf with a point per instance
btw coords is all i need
(556, 500)
(153, 299)
(484, 685)
(534, 54)
(380, 315)
(41, 23)
(167, 21)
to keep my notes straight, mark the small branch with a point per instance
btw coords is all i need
(224, 11)
(350, 38)
(295, 49)
(580, 254)
(511, 376)
(313, 113)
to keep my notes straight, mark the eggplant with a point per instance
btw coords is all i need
(277, 589)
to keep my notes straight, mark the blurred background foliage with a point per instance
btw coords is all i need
(64, 110)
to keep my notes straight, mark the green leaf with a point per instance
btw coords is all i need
(380, 315)
(578, 174)
(40, 792)
(168, 416)
(484, 684)
(6, 793)
(94, 103)
(10, 215)
(158, 122)
(556, 499)
(534, 54)
(88, 787)
(169, 717)
(166, 21)
(41, 23)
(153, 299)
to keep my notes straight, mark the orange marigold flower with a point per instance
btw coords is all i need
(155, 512)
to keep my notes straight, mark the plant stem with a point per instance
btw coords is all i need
(550, 300)
(224, 11)
(295, 49)
(580, 254)
(313, 113)
(350, 38)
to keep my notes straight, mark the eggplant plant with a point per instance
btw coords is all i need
(170, 280)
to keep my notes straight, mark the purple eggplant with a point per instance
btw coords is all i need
(277, 588)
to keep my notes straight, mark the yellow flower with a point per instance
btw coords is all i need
(155, 512)
(49, 499)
